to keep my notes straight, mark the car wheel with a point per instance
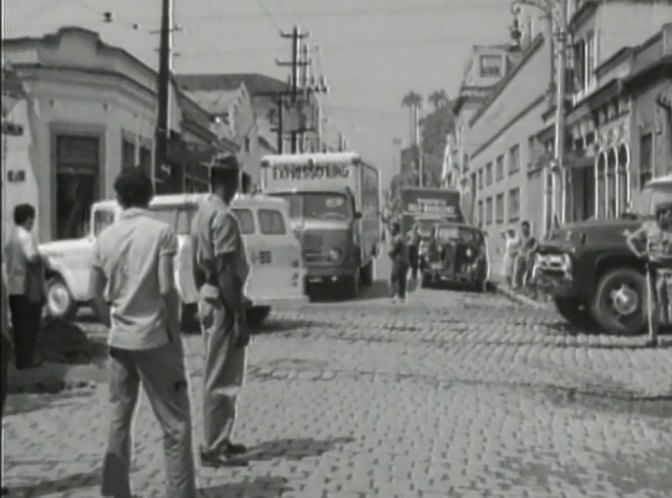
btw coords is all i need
(576, 311)
(256, 315)
(189, 323)
(60, 303)
(618, 305)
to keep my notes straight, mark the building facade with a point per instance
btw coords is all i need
(89, 111)
(500, 148)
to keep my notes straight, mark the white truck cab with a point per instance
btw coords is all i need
(276, 269)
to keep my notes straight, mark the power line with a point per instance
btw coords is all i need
(269, 15)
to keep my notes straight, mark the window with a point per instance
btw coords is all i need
(480, 213)
(488, 174)
(178, 217)
(590, 59)
(499, 172)
(499, 208)
(102, 218)
(127, 154)
(514, 204)
(491, 65)
(271, 222)
(488, 211)
(514, 159)
(646, 159)
(480, 179)
(146, 160)
(245, 220)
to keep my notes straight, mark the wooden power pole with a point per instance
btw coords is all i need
(163, 86)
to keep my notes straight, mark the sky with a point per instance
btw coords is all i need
(372, 52)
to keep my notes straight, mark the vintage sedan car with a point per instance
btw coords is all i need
(457, 254)
(276, 269)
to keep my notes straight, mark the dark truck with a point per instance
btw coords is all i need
(594, 279)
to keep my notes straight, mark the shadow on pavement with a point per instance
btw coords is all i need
(294, 449)
(61, 485)
(25, 403)
(289, 325)
(259, 487)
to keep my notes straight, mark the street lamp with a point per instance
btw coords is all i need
(556, 11)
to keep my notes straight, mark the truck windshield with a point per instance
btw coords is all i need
(318, 205)
(178, 217)
(651, 196)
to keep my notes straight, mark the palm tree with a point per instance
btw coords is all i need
(438, 99)
(413, 101)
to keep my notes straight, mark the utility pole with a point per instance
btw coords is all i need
(163, 85)
(561, 61)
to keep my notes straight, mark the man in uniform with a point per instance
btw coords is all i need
(220, 271)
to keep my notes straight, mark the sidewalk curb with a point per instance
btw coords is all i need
(518, 298)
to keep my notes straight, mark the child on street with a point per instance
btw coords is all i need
(399, 256)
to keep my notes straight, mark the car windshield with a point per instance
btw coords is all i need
(651, 196)
(178, 217)
(318, 205)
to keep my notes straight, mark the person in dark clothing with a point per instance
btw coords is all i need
(399, 255)
(7, 345)
(413, 250)
(25, 269)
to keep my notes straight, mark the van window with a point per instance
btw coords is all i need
(178, 217)
(271, 222)
(245, 220)
(102, 218)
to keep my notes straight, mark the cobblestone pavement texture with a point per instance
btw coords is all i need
(451, 394)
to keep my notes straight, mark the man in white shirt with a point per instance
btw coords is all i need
(133, 289)
(25, 286)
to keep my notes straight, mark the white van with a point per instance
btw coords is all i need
(276, 268)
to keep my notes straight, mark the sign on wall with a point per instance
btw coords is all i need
(16, 175)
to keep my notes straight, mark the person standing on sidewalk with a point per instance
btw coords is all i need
(399, 256)
(7, 345)
(220, 272)
(132, 270)
(413, 250)
(511, 248)
(25, 285)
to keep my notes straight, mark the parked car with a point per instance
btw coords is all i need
(594, 279)
(457, 253)
(276, 270)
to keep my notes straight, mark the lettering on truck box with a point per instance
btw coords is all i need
(431, 206)
(310, 171)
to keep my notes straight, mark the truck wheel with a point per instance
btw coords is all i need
(367, 275)
(618, 305)
(256, 315)
(576, 311)
(60, 303)
(189, 323)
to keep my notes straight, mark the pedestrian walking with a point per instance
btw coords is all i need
(25, 269)
(132, 270)
(525, 258)
(7, 346)
(511, 248)
(656, 237)
(220, 271)
(399, 256)
(414, 249)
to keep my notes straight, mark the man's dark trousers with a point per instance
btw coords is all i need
(26, 325)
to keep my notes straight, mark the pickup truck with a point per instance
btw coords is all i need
(276, 270)
(594, 279)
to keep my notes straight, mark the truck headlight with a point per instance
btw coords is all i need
(335, 255)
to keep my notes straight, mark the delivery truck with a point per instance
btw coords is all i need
(334, 207)
(428, 206)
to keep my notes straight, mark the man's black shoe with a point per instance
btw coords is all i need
(221, 459)
(236, 449)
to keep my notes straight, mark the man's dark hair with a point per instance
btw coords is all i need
(525, 224)
(134, 188)
(396, 226)
(223, 176)
(663, 207)
(22, 213)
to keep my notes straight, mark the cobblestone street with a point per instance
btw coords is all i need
(452, 394)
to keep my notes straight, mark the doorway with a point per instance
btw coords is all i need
(77, 178)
